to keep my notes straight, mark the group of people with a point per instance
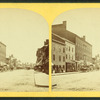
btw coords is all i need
(70, 67)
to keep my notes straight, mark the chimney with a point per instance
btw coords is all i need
(84, 38)
(64, 23)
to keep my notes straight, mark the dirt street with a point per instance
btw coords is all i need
(19, 81)
(89, 81)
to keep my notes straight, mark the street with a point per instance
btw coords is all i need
(89, 81)
(19, 81)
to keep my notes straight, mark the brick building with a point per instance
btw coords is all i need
(70, 50)
(58, 53)
(83, 49)
(70, 55)
(2, 53)
(63, 53)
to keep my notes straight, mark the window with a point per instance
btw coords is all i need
(63, 59)
(63, 50)
(63, 66)
(72, 49)
(66, 56)
(69, 56)
(53, 57)
(69, 48)
(59, 58)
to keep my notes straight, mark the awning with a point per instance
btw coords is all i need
(70, 61)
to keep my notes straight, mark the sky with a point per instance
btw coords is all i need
(23, 32)
(83, 21)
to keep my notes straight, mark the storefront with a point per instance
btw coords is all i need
(71, 66)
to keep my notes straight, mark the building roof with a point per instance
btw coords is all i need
(58, 42)
(63, 38)
(66, 34)
(2, 43)
(57, 38)
(83, 40)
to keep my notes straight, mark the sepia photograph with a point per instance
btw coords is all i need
(24, 51)
(76, 50)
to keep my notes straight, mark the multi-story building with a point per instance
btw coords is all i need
(96, 61)
(63, 53)
(2, 53)
(83, 49)
(70, 55)
(70, 50)
(58, 53)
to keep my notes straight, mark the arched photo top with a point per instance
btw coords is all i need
(24, 51)
(77, 33)
(82, 21)
(23, 32)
